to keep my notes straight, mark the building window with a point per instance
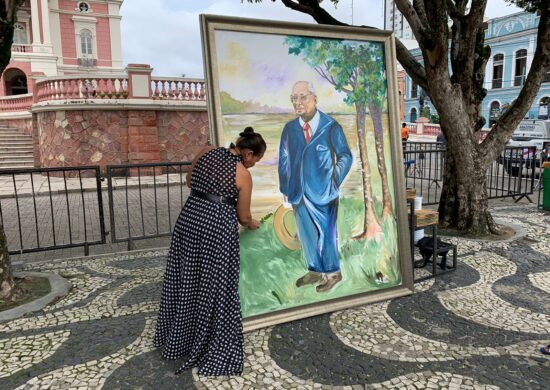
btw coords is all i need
(521, 67)
(83, 7)
(498, 70)
(86, 43)
(20, 34)
(414, 89)
(15, 82)
(494, 112)
(543, 107)
(413, 115)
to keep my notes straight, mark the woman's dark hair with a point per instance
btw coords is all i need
(249, 139)
(403, 124)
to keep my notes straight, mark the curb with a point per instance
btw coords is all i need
(520, 232)
(59, 288)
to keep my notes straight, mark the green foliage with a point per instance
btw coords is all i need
(230, 104)
(426, 112)
(354, 67)
(267, 283)
(434, 118)
(529, 5)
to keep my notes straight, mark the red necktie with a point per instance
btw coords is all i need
(306, 132)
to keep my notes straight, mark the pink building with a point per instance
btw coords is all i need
(63, 37)
(67, 100)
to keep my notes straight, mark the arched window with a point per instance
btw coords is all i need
(543, 107)
(414, 89)
(86, 43)
(413, 115)
(15, 82)
(521, 67)
(494, 112)
(19, 34)
(498, 70)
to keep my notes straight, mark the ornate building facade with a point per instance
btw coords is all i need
(63, 37)
(66, 99)
(512, 40)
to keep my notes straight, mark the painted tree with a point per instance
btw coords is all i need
(357, 69)
(8, 12)
(451, 37)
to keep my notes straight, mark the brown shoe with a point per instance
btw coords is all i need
(330, 281)
(309, 278)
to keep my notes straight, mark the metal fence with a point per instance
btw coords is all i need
(52, 208)
(424, 168)
(514, 174)
(55, 208)
(144, 199)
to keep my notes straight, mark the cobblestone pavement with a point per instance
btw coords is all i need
(477, 328)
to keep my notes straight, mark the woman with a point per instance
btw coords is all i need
(200, 312)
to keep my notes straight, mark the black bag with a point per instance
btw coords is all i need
(425, 246)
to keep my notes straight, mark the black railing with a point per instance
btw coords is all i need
(37, 217)
(424, 168)
(512, 175)
(57, 208)
(145, 200)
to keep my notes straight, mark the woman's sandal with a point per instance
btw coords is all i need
(545, 350)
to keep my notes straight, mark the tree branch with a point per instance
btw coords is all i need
(420, 9)
(312, 8)
(414, 69)
(453, 10)
(420, 31)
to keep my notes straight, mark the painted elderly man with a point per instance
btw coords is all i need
(314, 159)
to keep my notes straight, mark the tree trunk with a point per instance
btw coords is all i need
(464, 202)
(6, 274)
(371, 226)
(376, 117)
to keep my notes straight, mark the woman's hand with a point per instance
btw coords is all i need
(253, 224)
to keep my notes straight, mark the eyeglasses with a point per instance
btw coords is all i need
(299, 98)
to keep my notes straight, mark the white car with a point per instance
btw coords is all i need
(529, 138)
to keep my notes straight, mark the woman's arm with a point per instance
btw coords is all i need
(244, 185)
(204, 150)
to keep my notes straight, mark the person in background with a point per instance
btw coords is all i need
(200, 312)
(404, 132)
(441, 139)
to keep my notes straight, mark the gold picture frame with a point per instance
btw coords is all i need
(212, 27)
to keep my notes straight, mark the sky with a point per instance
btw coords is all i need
(166, 33)
(269, 77)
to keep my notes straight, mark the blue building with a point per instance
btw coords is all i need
(512, 40)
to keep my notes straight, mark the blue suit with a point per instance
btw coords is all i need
(310, 175)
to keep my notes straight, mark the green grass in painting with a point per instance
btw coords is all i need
(269, 271)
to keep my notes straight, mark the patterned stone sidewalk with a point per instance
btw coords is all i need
(477, 328)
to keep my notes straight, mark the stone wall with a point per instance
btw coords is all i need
(181, 134)
(103, 137)
(73, 138)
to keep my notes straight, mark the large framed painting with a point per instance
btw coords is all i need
(330, 188)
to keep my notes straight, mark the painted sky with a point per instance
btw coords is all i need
(258, 67)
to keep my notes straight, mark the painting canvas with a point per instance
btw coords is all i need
(329, 190)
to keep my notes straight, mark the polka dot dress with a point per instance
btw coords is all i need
(200, 311)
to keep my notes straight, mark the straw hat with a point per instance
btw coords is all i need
(284, 224)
